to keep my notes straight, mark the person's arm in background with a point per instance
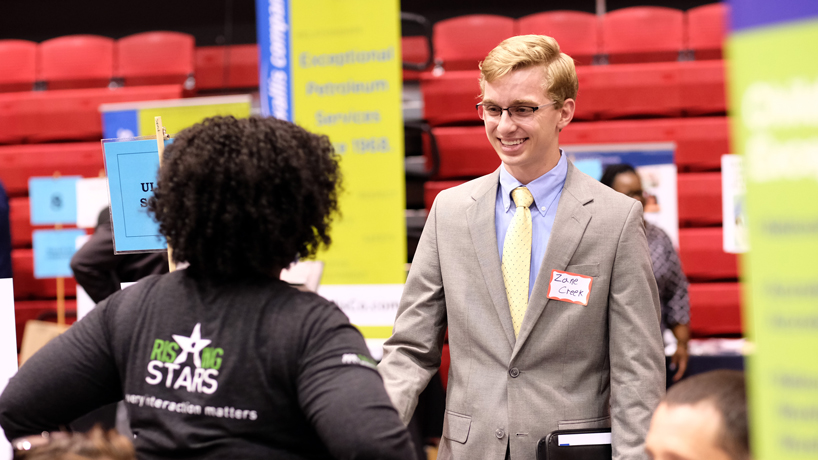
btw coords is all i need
(636, 351)
(94, 264)
(677, 309)
(70, 376)
(342, 395)
(5, 235)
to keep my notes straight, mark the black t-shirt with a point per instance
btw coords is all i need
(249, 370)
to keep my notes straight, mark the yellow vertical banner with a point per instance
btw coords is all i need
(346, 83)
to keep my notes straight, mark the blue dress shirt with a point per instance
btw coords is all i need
(546, 190)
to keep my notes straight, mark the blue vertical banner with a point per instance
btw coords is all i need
(275, 52)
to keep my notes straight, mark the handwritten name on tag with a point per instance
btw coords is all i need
(570, 287)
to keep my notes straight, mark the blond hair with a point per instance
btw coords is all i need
(523, 51)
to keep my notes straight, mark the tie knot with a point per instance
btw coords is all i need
(522, 197)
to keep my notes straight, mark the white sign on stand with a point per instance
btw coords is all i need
(733, 208)
(84, 302)
(8, 349)
(92, 197)
(371, 308)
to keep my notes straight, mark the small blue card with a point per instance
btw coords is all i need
(53, 250)
(132, 168)
(53, 200)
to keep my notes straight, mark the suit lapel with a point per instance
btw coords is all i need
(480, 217)
(569, 225)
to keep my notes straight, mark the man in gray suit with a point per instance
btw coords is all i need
(543, 278)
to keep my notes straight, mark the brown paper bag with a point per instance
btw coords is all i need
(36, 335)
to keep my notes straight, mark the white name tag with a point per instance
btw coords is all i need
(570, 287)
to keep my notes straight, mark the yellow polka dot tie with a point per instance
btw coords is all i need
(517, 257)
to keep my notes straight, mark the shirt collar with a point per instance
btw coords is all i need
(544, 188)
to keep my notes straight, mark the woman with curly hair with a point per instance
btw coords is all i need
(222, 359)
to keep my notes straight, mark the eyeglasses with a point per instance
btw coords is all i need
(515, 111)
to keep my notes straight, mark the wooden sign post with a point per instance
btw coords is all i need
(60, 282)
(161, 137)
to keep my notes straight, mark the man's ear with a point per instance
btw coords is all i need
(566, 113)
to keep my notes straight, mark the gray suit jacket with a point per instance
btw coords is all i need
(572, 366)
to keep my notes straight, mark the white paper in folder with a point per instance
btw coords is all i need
(584, 439)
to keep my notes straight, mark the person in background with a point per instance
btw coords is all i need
(100, 272)
(667, 268)
(5, 235)
(223, 359)
(703, 417)
(94, 445)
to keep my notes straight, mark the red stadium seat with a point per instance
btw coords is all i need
(576, 32)
(28, 287)
(72, 114)
(25, 310)
(700, 141)
(18, 60)
(11, 105)
(155, 58)
(702, 88)
(706, 30)
(413, 50)
(699, 199)
(715, 309)
(23, 161)
(703, 257)
(464, 152)
(451, 97)
(643, 34)
(622, 90)
(432, 188)
(76, 61)
(227, 67)
(461, 42)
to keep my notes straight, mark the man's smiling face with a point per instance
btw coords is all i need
(529, 147)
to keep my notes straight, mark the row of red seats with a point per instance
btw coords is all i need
(463, 152)
(149, 58)
(68, 114)
(627, 35)
(20, 162)
(614, 91)
(87, 61)
(699, 197)
(699, 250)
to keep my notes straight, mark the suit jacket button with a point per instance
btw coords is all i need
(499, 433)
(514, 372)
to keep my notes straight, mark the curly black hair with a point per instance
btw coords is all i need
(243, 198)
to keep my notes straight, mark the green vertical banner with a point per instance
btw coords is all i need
(773, 89)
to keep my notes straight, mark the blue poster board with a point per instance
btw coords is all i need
(132, 168)
(53, 250)
(53, 200)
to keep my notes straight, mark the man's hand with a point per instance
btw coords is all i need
(679, 359)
